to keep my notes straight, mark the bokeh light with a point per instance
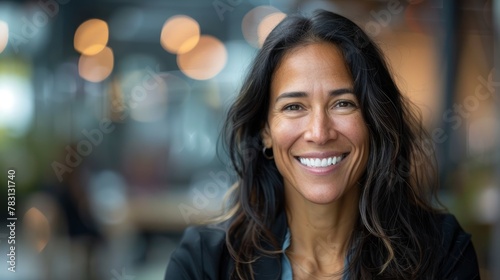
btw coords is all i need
(180, 34)
(38, 228)
(108, 198)
(91, 37)
(251, 22)
(4, 35)
(267, 25)
(17, 106)
(8, 96)
(205, 61)
(96, 68)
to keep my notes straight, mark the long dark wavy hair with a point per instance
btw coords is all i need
(396, 236)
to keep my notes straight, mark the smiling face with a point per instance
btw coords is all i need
(315, 125)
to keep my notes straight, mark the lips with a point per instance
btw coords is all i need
(316, 162)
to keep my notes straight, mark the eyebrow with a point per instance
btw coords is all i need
(295, 94)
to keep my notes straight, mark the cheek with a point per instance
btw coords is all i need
(283, 132)
(361, 140)
(363, 150)
(356, 130)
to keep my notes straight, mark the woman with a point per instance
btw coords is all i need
(335, 181)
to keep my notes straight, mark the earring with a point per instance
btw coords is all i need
(266, 153)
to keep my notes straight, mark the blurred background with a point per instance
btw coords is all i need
(110, 113)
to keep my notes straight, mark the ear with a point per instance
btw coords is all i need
(265, 133)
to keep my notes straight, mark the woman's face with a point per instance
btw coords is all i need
(315, 125)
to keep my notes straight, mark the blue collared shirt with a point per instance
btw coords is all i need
(286, 268)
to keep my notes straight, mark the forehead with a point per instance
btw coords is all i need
(326, 50)
(315, 64)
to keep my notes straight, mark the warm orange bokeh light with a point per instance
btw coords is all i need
(268, 24)
(96, 68)
(205, 61)
(38, 228)
(91, 37)
(180, 34)
(251, 22)
(4, 35)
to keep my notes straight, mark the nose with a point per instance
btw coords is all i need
(320, 128)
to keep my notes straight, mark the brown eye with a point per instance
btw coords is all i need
(345, 104)
(292, 107)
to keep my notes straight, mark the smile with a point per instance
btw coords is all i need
(321, 162)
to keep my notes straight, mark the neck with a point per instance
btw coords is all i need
(320, 233)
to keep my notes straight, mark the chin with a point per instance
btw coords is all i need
(328, 193)
(323, 198)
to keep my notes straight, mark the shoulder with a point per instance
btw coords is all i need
(453, 234)
(454, 239)
(200, 254)
(209, 237)
(459, 260)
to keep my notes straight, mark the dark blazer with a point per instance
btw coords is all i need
(202, 254)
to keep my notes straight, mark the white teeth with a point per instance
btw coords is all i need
(317, 162)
